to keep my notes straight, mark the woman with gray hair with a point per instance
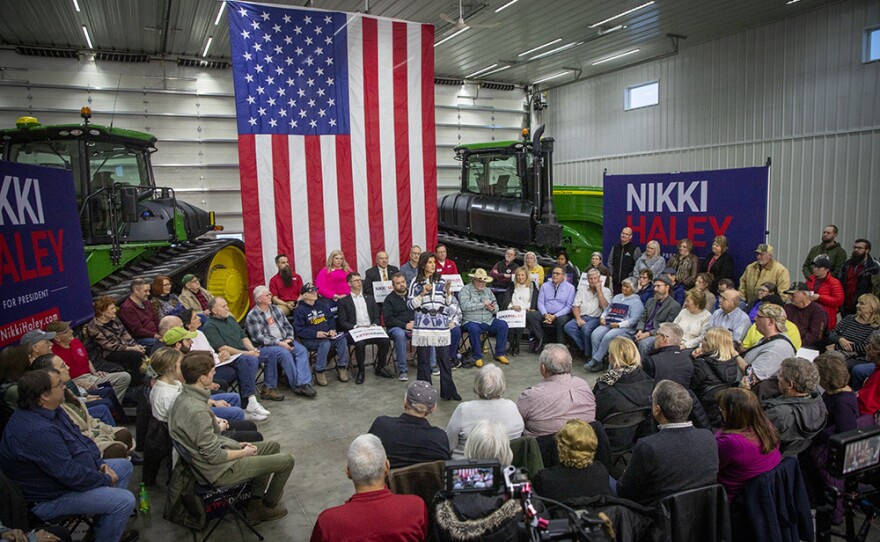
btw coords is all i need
(489, 385)
(619, 318)
(799, 414)
(650, 259)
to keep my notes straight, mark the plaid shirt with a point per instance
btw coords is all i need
(258, 326)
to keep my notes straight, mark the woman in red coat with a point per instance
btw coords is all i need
(827, 290)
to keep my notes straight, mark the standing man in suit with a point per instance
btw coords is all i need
(359, 310)
(380, 272)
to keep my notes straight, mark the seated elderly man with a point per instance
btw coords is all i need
(730, 316)
(315, 325)
(678, 458)
(546, 406)
(60, 471)
(667, 361)
(83, 373)
(272, 333)
(373, 512)
(409, 438)
(478, 308)
(222, 460)
(589, 302)
(799, 414)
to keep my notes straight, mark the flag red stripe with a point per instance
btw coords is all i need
(281, 182)
(401, 136)
(429, 144)
(250, 206)
(315, 179)
(345, 195)
(371, 132)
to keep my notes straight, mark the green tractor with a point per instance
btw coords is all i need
(131, 227)
(507, 199)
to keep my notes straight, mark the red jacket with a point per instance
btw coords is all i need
(830, 296)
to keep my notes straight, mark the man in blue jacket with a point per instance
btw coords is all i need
(315, 326)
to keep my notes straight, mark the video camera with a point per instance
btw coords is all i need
(854, 452)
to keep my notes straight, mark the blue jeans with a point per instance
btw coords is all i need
(497, 328)
(399, 337)
(112, 505)
(860, 373)
(581, 335)
(454, 341)
(322, 348)
(102, 412)
(231, 413)
(295, 364)
(601, 338)
(244, 369)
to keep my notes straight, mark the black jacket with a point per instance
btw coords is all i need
(709, 379)
(863, 282)
(630, 392)
(396, 311)
(346, 316)
(723, 269)
(372, 275)
(669, 363)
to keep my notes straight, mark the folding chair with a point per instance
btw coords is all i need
(621, 428)
(217, 501)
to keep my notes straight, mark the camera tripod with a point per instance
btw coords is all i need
(867, 502)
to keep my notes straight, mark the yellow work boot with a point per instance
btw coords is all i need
(502, 359)
(478, 362)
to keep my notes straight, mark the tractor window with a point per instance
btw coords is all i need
(112, 163)
(494, 175)
(56, 154)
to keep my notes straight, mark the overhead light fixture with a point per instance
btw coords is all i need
(207, 46)
(619, 15)
(615, 57)
(487, 68)
(88, 39)
(501, 69)
(606, 31)
(557, 50)
(507, 5)
(219, 13)
(76, 6)
(447, 38)
(557, 40)
(549, 78)
(792, 2)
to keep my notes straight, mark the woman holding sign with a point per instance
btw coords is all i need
(429, 298)
(619, 318)
(522, 295)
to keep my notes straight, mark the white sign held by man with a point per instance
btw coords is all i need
(381, 289)
(359, 334)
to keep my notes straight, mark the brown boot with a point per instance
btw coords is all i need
(270, 394)
(342, 374)
(257, 512)
(320, 379)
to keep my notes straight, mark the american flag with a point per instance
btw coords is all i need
(336, 136)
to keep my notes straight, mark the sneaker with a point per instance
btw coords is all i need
(456, 363)
(478, 362)
(435, 371)
(257, 408)
(320, 379)
(306, 390)
(403, 377)
(254, 416)
(342, 374)
(270, 394)
(502, 359)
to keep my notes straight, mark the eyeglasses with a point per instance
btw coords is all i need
(59, 385)
(557, 272)
(858, 247)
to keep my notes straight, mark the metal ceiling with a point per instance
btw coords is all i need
(175, 28)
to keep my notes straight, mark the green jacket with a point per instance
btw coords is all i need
(192, 424)
(836, 254)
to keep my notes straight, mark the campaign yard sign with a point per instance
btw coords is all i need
(695, 205)
(43, 274)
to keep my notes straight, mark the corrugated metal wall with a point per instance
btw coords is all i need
(794, 90)
(192, 112)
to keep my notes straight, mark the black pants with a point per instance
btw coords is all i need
(447, 385)
(131, 361)
(360, 351)
(535, 323)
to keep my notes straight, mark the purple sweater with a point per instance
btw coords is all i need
(740, 459)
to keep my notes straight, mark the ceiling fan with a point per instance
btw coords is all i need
(460, 24)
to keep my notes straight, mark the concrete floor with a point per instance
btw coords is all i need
(318, 432)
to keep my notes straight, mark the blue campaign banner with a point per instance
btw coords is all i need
(43, 274)
(697, 205)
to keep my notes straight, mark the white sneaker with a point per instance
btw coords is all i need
(253, 416)
(257, 409)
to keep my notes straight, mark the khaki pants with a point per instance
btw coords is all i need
(269, 461)
(119, 381)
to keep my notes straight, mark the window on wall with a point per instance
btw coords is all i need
(872, 44)
(643, 95)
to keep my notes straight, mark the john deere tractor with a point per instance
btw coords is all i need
(131, 227)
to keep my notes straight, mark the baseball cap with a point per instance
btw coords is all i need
(775, 313)
(308, 288)
(798, 287)
(58, 326)
(422, 393)
(670, 271)
(764, 247)
(177, 334)
(34, 336)
(822, 261)
(664, 279)
(186, 278)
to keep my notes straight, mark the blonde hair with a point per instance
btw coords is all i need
(623, 352)
(656, 245)
(577, 443)
(718, 343)
(525, 273)
(164, 360)
(333, 254)
(874, 303)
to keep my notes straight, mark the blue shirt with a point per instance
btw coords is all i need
(736, 321)
(556, 299)
(47, 457)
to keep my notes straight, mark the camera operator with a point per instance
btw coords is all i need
(487, 515)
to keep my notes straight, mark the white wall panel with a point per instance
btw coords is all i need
(192, 112)
(794, 90)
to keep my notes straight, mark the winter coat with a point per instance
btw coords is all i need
(798, 420)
